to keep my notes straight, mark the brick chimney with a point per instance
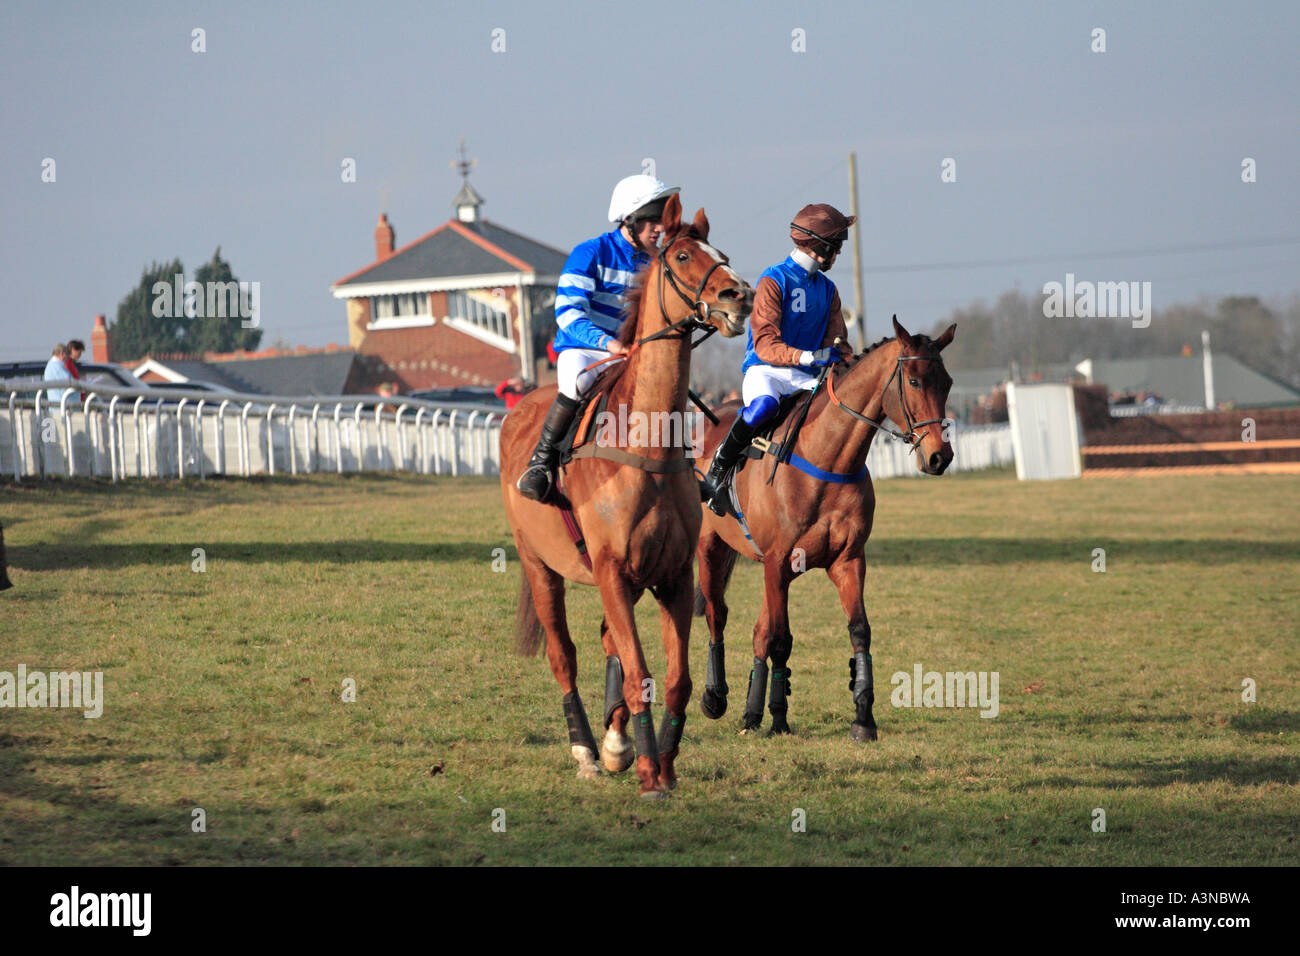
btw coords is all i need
(101, 348)
(384, 237)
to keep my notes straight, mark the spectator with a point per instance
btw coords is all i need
(56, 371)
(71, 356)
(512, 389)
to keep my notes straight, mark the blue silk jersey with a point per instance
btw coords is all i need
(805, 308)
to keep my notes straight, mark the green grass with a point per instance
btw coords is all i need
(1119, 690)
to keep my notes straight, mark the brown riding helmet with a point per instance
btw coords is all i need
(821, 225)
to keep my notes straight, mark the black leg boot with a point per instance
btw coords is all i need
(713, 487)
(538, 478)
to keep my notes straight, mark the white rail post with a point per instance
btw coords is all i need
(112, 437)
(69, 466)
(180, 433)
(141, 450)
(39, 449)
(403, 446)
(360, 445)
(157, 438)
(198, 445)
(487, 444)
(220, 460)
(293, 450)
(270, 444)
(13, 433)
(119, 435)
(313, 455)
(381, 439)
(437, 443)
(245, 453)
(455, 444)
(92, 432)
(421, 450)
(338, 437)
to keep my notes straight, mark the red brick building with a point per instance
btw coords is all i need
(470, 303)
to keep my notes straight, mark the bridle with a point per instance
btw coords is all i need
(912, 438)
(696, 321)
(699, 316)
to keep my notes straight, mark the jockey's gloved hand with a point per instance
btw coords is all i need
(826, 356)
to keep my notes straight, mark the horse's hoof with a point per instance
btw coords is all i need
(862, 733)
(659, 793)
(588, 769)
(616, 751)
(713, 705)
(780, 730)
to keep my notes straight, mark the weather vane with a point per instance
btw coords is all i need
(463, 164)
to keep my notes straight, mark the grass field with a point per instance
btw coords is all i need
(1119, 690)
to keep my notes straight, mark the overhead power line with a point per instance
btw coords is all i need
(1083, 256)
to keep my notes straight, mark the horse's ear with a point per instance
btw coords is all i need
(903, 335)
(672, 216)
(702, 224)
(943, 341)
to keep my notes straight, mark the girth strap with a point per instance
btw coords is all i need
(761, 447)
(570, 522)
(653, 465)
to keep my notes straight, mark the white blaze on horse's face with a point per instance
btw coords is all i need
(735, 320)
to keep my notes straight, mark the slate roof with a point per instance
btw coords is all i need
(320, 373)
(1180, 379)
(457, 249)
(1176, 378)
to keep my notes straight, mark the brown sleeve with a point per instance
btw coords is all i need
(765, 324)
(835, 327)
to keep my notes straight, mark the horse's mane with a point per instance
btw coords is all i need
(922, 342)
(633, 296)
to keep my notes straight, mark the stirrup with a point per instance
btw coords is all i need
(721, 497)
(550, 482)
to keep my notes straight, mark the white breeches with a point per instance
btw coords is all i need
(569, 373)
(774, 380)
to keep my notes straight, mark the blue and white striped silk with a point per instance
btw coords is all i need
(593, 287)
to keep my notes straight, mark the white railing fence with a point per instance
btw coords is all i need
(169, 433)
(974, 448)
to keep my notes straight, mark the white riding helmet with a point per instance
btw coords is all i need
(634, 192)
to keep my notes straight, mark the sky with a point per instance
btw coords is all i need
(1123, 165)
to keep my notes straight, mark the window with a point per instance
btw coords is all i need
(400, 306)
(481, 310)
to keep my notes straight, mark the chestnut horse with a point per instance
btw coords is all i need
(640, 521)
(800, 521)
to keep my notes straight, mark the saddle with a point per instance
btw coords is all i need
(763, 442)
(582, 430)
(580, 440)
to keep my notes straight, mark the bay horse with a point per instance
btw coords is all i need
(800, 521)
(640, 520)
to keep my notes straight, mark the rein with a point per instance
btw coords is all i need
(697, 319)
(783, 451)
(912, 438)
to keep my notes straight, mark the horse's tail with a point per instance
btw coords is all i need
(4, 573)
(528, 626)
(728, 565)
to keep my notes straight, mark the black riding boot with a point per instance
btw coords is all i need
(713, 487)
(537, 479)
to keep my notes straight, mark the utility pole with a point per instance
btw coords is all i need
(1207, 370)
(857, 251)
